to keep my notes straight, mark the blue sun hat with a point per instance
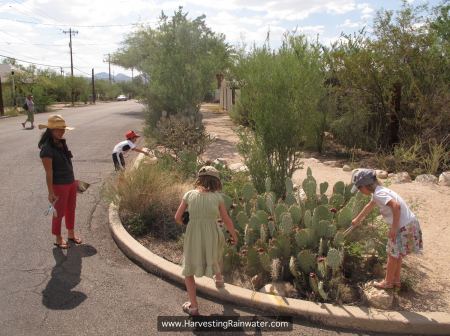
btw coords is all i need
(363, 177)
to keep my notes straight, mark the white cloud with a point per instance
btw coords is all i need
(348, 23)
(366, 8)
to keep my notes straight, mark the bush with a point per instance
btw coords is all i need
(41, 99)
(148, 198)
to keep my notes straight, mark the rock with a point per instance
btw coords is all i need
(302, 195)
(280, 288)
(258, 281)
(378, 298)
(295, 187)
(220, 160)
(426, 178)
(378, 271)
(382, 174)
(444, 179)
(330, 163)
(213, 136)
(238, 167)
(403, 177)
(392, 175)
(313, 160)
(346, 168)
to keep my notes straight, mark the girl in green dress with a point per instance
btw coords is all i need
(203, 240)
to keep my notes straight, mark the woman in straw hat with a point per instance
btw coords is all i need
(61, 184)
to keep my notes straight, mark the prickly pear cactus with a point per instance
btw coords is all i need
(252, 260)
(345, 217)
(324, 199)
(269, 204)
(286, 223)
(322, 293)
(302, 238)
(274, 253)
(255, 223)
(279, 211)
(323, 187)
(260, 203)
(289, 185)
(242, 219)
(313, 283)
(263, 233)
(265, 261)
(249, 236)
(276, 269)
(285, 245)
(272, 229)
(322, 269)
(339, 188)
(267, 185)
(262, 216)
(290, 199)
(248, 192)
(308, 219)
(336, 201)
(333, 258)
(306, 261)
(331, 231)
(339, 239)
(296, 214)
(322, 227)
(293, 267)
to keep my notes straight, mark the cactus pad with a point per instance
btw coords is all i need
(308, 219)
(331, 231)
(336, 201)
(285, 245)
(322, 269)
(333, 258)
(276, 269)
(263, 233)
(293, 267)
(279, 211)
(265, 262)
(324, 199)
(323, 187)
(237, 209)
(267, 185)
(322, 293)
(242, 219)
(286, 223)
(290, 199)
(272, 229)
(262, 216)
(260, 203)
(296, 214)
(308, 172)
(269, 204)
(254, 223)
(302, 238)
(339, 239)
(248, 192)
(345, 217)
(322, 227)
(289, 185)
(339, 188)
(249, 236)
(192, 157)
(182, 155)
(313, 284)
(306, 261)
(274, 253)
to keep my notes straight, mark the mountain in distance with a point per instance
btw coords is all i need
(119, 77)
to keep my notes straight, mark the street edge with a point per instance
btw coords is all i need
(359, 318)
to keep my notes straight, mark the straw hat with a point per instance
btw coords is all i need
(210, 171)
(56, 122)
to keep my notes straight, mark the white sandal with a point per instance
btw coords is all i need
(219, 283)
(189, 310)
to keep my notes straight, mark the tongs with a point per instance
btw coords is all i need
(349, 229)
(52, 207)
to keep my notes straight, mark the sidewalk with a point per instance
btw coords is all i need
(358, 318)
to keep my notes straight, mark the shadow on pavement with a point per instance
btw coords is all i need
(66, 275)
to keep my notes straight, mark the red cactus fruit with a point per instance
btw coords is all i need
(244, 251)
(271, 218)
(240, 198)
(227, 231)
(260, 249)
(228, 240)
(232, 206)
(298, 229)
(312, 275)
(342, 206)
(320, 259)
(283, 197)
(333, 210)
(220, 220)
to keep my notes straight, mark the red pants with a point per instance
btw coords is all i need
(65, 206)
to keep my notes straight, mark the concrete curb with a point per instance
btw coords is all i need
(359, 318)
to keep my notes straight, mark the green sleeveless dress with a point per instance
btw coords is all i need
(203, 240)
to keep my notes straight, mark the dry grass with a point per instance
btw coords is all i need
(149, 197)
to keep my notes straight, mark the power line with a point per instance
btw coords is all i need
(51, 66)
(65, 25)
(55, 45)
(31, 43)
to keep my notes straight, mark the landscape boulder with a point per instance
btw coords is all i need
(427, 178)
(378, 298)
(403, 177)
(444, 179)
(279, 288)
(238, 167)
(382, 174)
(347, 168)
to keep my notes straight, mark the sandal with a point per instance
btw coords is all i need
(219, 283)
(189, 310)
(383, 285)
(62, 245)
(23, 124)
(397, 286)
(76, 240)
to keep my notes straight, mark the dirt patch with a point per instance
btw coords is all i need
(430, 204)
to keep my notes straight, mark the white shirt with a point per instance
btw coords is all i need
(382, 196)
(123, 147)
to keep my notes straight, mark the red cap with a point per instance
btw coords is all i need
(131, 134)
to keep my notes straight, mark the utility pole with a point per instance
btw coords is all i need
(70, 32)
(2, 110)
(109, 61)
(93, 87)
(62, 72)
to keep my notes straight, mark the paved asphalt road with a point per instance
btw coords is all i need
(90, 289)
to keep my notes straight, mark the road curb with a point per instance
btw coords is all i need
(359, 318)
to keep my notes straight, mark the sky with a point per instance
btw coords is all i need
(37, 31)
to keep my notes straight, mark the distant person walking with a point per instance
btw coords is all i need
(30, 111)
(123, 147)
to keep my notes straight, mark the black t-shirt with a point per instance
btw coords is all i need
(61, 162)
